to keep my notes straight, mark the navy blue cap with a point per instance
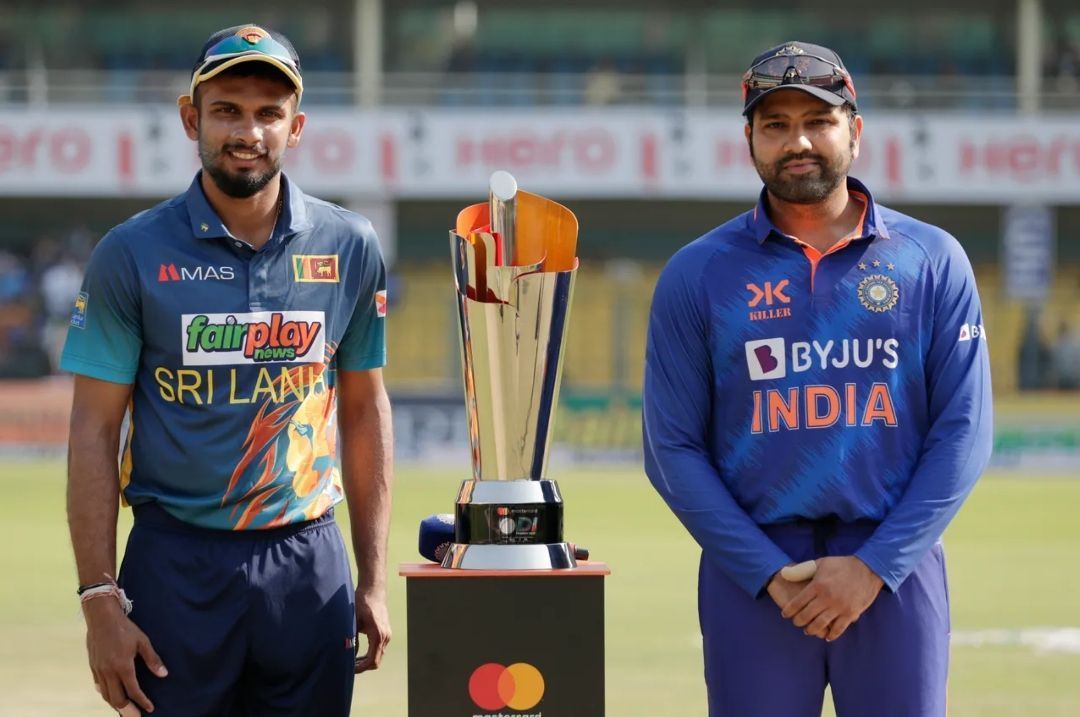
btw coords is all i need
(814, 69)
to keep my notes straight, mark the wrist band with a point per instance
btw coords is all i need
(84, 588)
(92, 592)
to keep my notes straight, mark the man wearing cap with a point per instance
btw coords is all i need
(233, 324)
(817, 388)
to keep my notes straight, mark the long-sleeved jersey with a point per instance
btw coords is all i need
(784, 384)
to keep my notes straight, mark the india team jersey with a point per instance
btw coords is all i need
(783, 385)
(233, 354)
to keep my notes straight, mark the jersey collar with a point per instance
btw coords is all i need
(206, 224)
(762, 227)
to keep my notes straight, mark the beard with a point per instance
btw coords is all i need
(239, 185)
(808, 188)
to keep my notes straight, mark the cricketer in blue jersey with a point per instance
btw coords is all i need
(240, 325)
(817, 387)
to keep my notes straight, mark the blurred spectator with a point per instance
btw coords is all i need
(1065, 356)
(21, 354)
(1034, 359)
(1068, 68)
(603, 85)
(36, 298)
(60, 273)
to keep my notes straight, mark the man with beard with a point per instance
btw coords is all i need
(816, 408)
(233, 324)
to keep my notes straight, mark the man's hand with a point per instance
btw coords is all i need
(372, 620)
(783, 591)
(112, 643)
(841, 590)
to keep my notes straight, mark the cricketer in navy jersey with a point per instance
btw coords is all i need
(203, 327)
(807, 402)
(241, 327)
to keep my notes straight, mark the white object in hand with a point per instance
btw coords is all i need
(800, 572)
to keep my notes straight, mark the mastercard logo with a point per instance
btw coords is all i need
(519, 686)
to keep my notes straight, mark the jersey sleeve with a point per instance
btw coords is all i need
(676, 407)
(959, 440)
(363, 345)
(104, 338)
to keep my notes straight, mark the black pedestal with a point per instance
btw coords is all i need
(505, 643)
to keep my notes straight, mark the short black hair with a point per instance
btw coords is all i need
(263, 70)
(846, 108)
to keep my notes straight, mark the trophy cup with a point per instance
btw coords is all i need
(514, 260)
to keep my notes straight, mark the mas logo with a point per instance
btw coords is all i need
(78, 314)
(253, 338)
(519, 686)
(170, 272)
(315, 268)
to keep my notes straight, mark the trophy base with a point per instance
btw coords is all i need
(544, 556)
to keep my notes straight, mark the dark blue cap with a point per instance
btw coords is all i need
(811, 68)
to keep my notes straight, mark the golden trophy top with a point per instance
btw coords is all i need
(514, 260)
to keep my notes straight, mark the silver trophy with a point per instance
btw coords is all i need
(514, 261)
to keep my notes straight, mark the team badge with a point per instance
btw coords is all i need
(78, 314)
(252, 34)
(315, 268)
(878, 293)
(380, 304)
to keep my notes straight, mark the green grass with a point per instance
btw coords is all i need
(1013, 555)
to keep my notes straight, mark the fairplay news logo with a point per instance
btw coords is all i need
(518, 687)
(253, 338)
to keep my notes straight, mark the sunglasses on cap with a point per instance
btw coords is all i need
(787, 68)
(245, 46)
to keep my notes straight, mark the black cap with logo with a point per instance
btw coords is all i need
(802, 66)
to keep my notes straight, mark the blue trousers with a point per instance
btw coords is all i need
(892, 662)
(249, 624)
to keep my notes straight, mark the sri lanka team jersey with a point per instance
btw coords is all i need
(782, 385)
(233, 354)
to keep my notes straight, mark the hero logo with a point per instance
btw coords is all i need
(253, 338)
(767, 358)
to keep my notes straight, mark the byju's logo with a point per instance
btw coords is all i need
(766, 359)
(971, 332)
(519, 686)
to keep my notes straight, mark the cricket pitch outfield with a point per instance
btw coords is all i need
(1013, 554)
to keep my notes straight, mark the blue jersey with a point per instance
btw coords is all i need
(782, 384)
(233, 354)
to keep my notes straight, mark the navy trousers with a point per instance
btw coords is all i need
(248, 623)
(892, 662)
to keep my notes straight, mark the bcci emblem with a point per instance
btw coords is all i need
(878, 293)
